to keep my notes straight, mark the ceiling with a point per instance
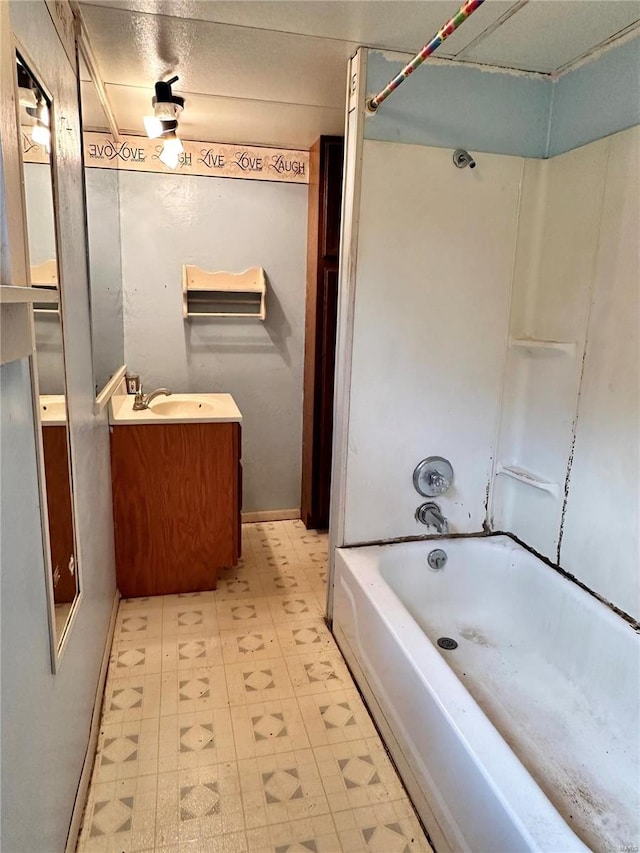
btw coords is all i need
(273, 72)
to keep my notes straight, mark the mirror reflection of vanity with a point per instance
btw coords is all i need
(36, 114)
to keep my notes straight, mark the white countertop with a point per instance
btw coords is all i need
(206, 409)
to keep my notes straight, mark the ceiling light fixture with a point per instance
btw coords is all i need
(25, 88)
(163, 124)
(35, 107)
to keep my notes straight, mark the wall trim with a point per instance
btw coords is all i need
(89, 758)
(207, 159)
(271, 515)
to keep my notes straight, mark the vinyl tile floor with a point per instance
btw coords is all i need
(231, 724)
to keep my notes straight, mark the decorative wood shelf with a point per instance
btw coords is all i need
(528, 478)
(224, 294)
(533, 346)
(15, 294)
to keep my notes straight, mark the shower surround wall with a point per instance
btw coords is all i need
(442, 267)
(222, 224)
(429, 332)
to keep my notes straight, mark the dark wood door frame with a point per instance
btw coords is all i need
(323, 246)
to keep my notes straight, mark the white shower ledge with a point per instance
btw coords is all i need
(176, 409)
(516, 472)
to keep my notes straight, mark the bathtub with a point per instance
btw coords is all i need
(525, 736)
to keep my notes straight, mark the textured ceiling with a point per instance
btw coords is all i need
(274, 73)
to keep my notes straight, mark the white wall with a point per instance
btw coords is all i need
(601, 542)
(222, 224)
(46, 717)
(572, 418)
(435, 259)
(553, 277)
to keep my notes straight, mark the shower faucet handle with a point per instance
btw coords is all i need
(433, 476)
(438, 481)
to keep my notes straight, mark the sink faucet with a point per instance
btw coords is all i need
(429, 514)
(142, 400)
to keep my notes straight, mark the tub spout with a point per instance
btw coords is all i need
(429, 514)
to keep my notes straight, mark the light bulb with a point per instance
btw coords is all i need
(43, 114)
(171, 151)
(153, 126)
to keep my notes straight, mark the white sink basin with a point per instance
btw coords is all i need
(53, 409)
(179, 406)
(175, 409)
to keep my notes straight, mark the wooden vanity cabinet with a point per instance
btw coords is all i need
(176, 505)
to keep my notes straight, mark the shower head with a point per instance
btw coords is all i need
(462, 158)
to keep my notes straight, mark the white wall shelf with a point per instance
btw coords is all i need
(528, 478)
(13, 294)
(224, 294)
(533, 346)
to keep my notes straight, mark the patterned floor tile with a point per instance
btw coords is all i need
(251, 644)
(307, 835)
(185, 651)
(199, 804)
(285, 580)
(134, 698)
(243, 615)
(188, 617)
(231, 724)
(336, 716)
(196, 739)
(121, 816)
(295, 606)
(357, 773)
(385, 828)
(185, 691)
(281, 788)
(262, 681)
(126, 750)
(138, 624)
(318, 672)
(238, 585)
(268, 727)
(135, 657)
(301, 637)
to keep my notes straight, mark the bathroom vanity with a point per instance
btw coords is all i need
(177, 492)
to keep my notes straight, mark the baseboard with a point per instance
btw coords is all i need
(87, 767)
(271, 515)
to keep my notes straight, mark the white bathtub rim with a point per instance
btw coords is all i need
(494, 759)
(511, 541)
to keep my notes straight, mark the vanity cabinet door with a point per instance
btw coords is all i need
(175, 499)
(59, 512)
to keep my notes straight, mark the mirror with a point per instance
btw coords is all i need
(103, 237)
(35, 118)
